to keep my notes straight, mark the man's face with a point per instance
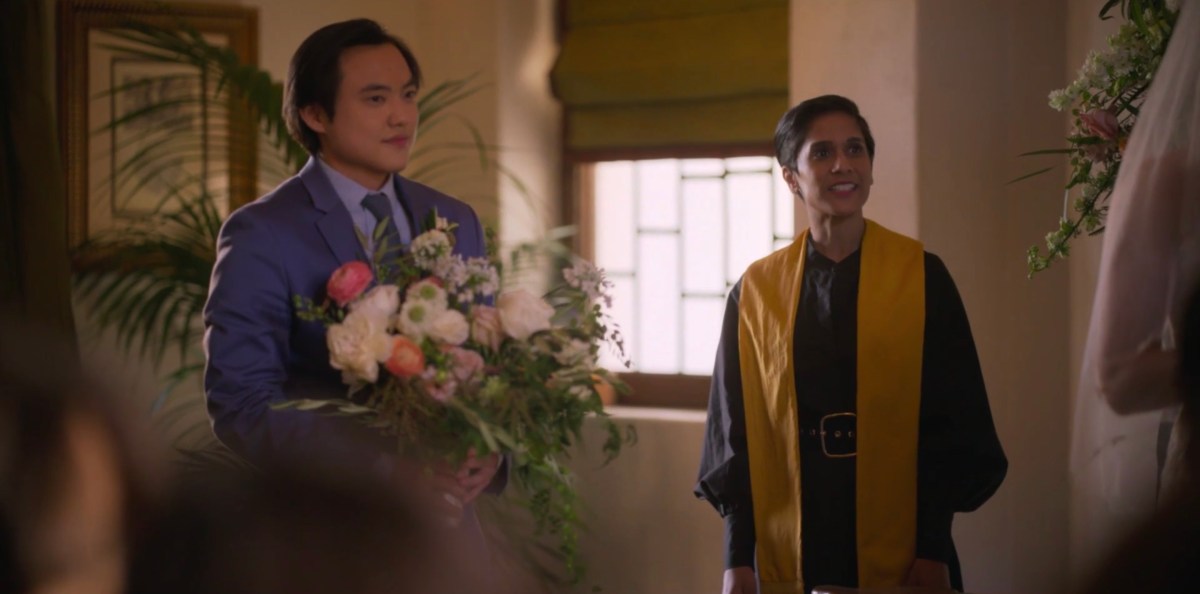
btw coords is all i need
(375, 115)
(832, 173)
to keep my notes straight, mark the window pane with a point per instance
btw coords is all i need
(749, 219)
(658, 194)
(749, 164)
(785, 220)
(615, 226)
(703, 236)
(658, 304)
(703, 167)
(702, 319)
(674, 235)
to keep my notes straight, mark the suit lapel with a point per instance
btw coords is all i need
(416, 202)
(335, 224)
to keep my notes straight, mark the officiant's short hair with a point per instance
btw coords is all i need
(794, 125)
(315, 74)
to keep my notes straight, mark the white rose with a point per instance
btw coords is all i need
(379, 304)
(522, 313)
(357, 346)
(450, 327)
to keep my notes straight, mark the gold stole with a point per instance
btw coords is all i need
(891, 332)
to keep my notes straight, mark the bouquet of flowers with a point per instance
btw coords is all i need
(438, 355)
(1104, 102)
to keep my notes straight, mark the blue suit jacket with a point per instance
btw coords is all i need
(284, 244)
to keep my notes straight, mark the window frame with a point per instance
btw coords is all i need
(682, 391)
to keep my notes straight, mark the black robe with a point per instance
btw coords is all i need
(960, 462)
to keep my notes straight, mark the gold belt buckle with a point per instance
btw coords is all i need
(825, 433)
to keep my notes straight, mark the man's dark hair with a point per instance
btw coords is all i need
(315, 73)
(793, 126)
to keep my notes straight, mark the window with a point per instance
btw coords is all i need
(674, 235)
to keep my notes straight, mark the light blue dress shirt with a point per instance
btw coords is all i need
(352, 193)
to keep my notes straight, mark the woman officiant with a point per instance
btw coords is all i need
(848, 419)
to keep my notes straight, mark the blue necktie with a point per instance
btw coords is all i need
(377, 205)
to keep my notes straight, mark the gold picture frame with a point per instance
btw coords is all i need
(94, 90)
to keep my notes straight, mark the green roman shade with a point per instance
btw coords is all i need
(638, 74)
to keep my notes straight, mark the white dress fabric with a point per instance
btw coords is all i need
(1149, 266)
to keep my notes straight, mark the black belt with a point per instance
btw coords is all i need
(836, 434)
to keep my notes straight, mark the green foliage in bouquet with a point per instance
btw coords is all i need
(1103, 101)
(437, 356)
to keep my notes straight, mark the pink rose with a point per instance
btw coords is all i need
(1102, 123)
(348, 282)
(407, 359)
(467, 364)
(486, 328)
(438, 386)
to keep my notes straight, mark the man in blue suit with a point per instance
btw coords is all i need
(351, 99)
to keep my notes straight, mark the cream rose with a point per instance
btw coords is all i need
(379, 304)
(449, 327)
(522, 313)
(357, 346)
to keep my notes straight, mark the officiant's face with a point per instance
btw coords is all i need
(832, 173)
(374, 123)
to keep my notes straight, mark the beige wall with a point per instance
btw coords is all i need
(985, 70)
(866, 51)
(958, 90)
(649, 534)
(530, 121)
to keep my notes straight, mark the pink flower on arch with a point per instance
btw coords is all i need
(1102, 123)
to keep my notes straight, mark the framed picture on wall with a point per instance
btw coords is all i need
(143, 127)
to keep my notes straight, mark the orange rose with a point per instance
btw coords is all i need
(407, 359)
